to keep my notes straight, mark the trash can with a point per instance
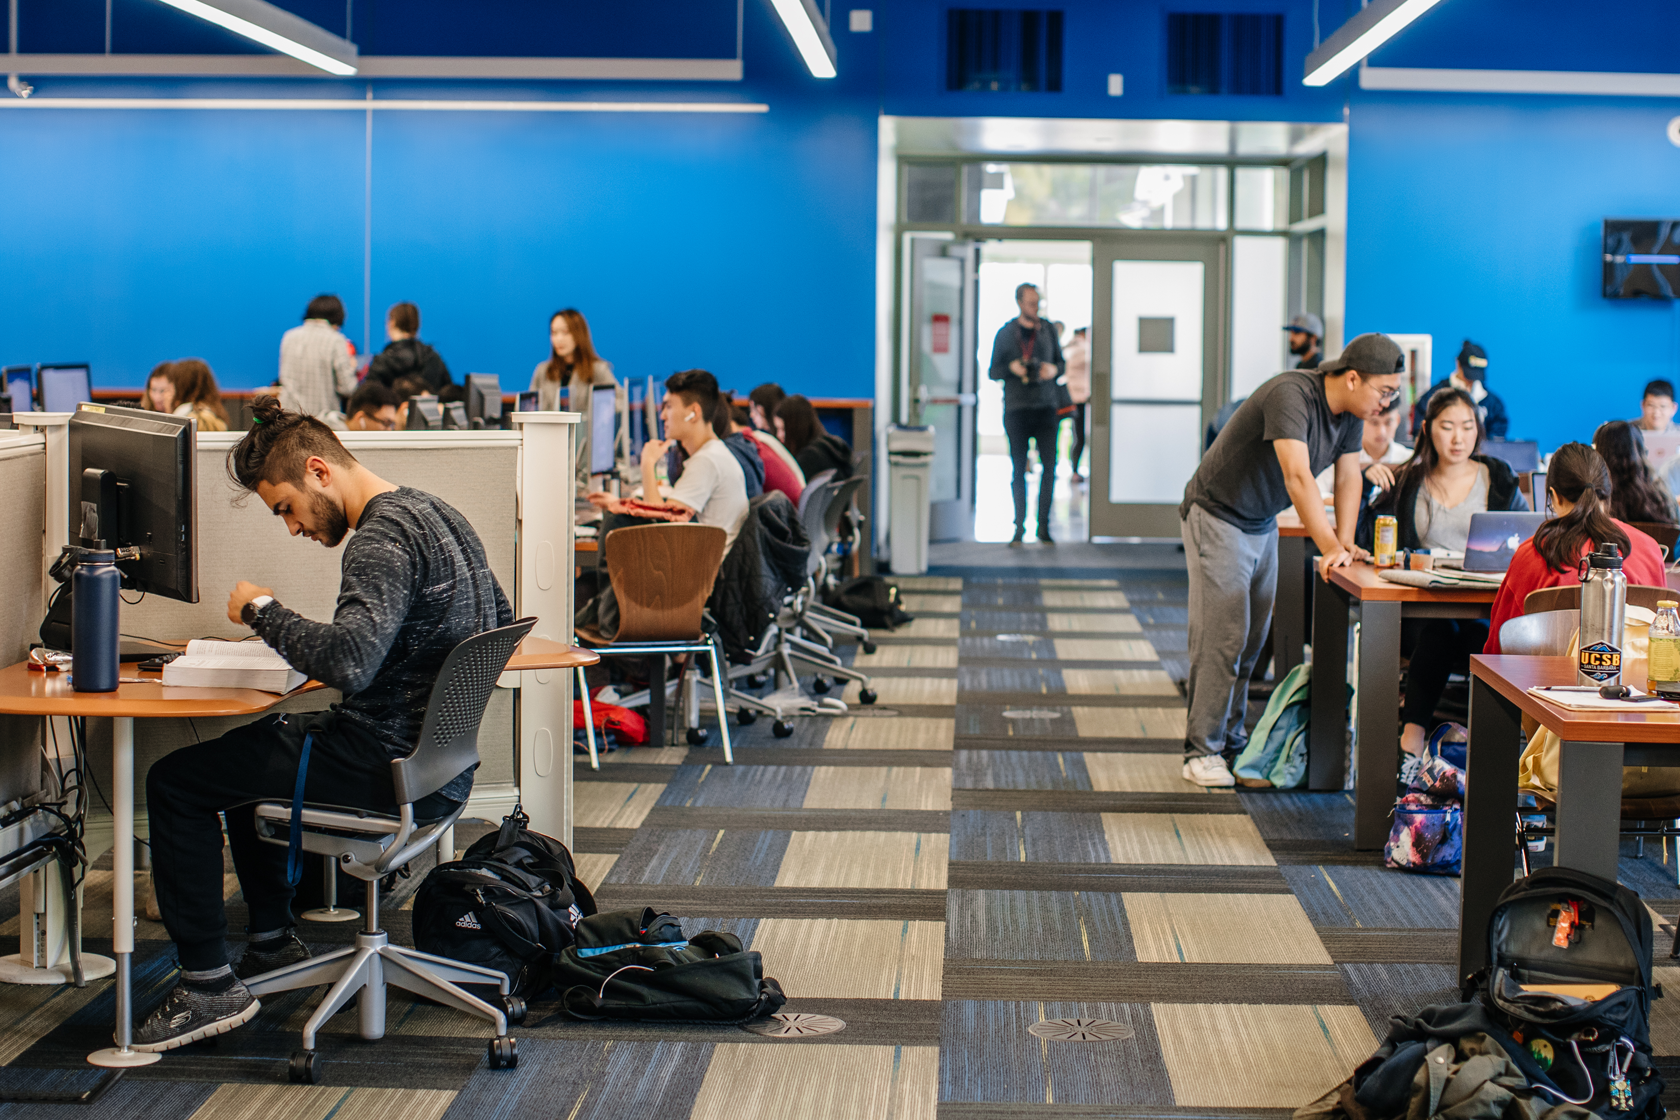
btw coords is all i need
(910, 478)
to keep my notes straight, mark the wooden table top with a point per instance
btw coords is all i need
(541, 653)
(1512, 676)
(1289, 523)
(27, 693)
(1363, 583)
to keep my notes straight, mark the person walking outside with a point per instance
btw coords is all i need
(1027, 358)
(1265, 460)
(1078, 355)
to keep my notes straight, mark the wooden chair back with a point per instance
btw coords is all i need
(662, 576)
(1664, 534)
(1568, 598)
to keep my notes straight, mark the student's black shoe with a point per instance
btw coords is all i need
(187, 1015)
(1044, 538)
(1018, 539)
(256, 961)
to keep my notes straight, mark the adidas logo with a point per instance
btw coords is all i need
(469, 920)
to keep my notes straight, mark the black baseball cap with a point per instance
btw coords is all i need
(1472, 359)
(1375, 355)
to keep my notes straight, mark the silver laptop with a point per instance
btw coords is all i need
(1495, 537)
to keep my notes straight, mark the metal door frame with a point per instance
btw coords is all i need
(952, 519)
(1138, 521)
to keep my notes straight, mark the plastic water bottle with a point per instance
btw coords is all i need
(1603, 613)
(1664, 677)
(93, 648)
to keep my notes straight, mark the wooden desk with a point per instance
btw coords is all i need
(1596, 745)
(49, 694)
(1292, 609)
(541, 653)
(1382, 607)
(587, 552)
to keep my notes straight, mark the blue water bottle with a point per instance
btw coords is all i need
(94, 648)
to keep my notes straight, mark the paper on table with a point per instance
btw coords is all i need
(214, 664)
(1592, 702)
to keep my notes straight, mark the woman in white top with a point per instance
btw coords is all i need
(317, 366)
(573, 363)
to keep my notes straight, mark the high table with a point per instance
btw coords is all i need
(1292, 610)
(27, 693)
(1596, 745)
(1382, 606)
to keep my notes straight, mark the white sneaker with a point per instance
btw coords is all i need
(1208, 770)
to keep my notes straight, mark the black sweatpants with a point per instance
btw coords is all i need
(257, 762)
(1437, 647)
(1080, 411)
(1038, 426)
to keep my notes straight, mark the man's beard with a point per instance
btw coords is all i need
(1303, 347)
(331, 525)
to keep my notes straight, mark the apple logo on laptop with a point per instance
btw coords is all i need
(1513, 542)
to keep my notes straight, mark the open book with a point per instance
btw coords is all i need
(213, 664)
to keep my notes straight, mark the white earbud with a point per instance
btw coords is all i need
(693, 416)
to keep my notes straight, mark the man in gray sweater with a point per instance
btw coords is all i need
(414, 584)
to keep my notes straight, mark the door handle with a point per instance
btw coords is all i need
(960, 398)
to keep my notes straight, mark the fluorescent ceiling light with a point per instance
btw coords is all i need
(275, 27)
(1370, 28)
(809, 31)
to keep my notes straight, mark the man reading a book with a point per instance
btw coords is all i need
(414, 584)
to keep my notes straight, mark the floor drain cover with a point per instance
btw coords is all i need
(1016, 637)
(796, 1025)
(1032, 713)
(1081, 1030)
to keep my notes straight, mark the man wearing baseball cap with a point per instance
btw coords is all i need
(1266, 459)
(1470, 374)
(1306, 334)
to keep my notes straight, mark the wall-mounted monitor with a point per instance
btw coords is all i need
(1642, 258)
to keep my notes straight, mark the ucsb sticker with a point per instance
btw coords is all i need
(1601, 661)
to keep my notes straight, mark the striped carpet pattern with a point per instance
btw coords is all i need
(1002, 839)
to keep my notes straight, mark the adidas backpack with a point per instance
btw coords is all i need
(510, 903)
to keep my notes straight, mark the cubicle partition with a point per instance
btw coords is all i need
(23, 481)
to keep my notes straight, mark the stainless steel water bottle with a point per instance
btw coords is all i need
(94, 591)
(1603, 612)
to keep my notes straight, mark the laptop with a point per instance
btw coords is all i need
(1661, 449)
(1495, 537)
(1520, 454)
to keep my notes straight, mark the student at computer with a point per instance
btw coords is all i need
(197, 395)
(1636, 494)
(572, 363)
(1578, 482)
(405, 354)
(781, 475)
(1433, 498)
(373, 408)
(762, 403)
(415, 583)
(1469, 375)
(740, 445)
(816, 449)
(1380, 454)
(1657, 407)
(160, 389)
(317, 363)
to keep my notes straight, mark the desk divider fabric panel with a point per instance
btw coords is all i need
(23, 481)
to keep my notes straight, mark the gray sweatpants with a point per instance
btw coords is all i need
(1233, 582)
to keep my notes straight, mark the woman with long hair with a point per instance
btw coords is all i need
(572, 363)
(1434, 496)
(1636, 494)
(762, 403)
(1578, 483)
(159, 394)
(816, 450)
(197, 395)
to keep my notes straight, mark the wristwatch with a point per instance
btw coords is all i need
(248, 613)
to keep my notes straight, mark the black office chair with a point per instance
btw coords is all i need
(371, 845)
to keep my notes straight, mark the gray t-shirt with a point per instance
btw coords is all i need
(1240, 480)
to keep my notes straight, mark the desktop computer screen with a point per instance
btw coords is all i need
(64, 386)
(603, 429)
(132, 486)
(424, 414)
(484, 399)
(20, 386)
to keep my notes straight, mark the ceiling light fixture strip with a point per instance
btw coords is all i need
(1370, 28)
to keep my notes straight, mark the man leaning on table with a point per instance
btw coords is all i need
(1265, 460)
(414, 584)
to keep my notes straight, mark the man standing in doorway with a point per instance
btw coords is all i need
(1027, 358)
(1306, 335)
(1265, 460)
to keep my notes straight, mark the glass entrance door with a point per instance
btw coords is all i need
(1157, 358)
(939, 387)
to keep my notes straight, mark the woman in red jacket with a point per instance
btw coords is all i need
(1579, 485)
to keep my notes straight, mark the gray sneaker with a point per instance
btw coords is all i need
(256, 962)
(186, 1016)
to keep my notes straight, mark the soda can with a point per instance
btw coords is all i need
(1388, 533)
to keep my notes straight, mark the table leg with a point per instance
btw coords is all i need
(1289, 613)
(122, 896)
(1589, 807)
(1490, 814)
(1379, 731)
(658, 666)
(1327, 733)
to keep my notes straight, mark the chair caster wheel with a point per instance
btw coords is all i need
(867, 696)
(782, 728)
(514, 1008)
(504, 1053)
(868, 647)
(305, 1068)
(697, 736)
(746, 717)
(819, 685)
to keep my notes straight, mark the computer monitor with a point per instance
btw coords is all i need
(1519, 454)
(64, 386)
(454, 416)
(132, 485)
(19, 384)
(424, 414)
(484, 399)
(603, 429)
(529, 402)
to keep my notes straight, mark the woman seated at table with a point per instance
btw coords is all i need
(1432, 498)
(1636, 494)
(1579, 486)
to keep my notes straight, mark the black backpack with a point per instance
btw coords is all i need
(509, 903)
(1596, 1050)
(872, 600)
(636, 964)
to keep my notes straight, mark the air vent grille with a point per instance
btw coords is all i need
(1003, 50)
(1225, 53)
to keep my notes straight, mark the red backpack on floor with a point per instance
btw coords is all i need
(622, 722)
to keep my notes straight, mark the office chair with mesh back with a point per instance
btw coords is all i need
(370, 845)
